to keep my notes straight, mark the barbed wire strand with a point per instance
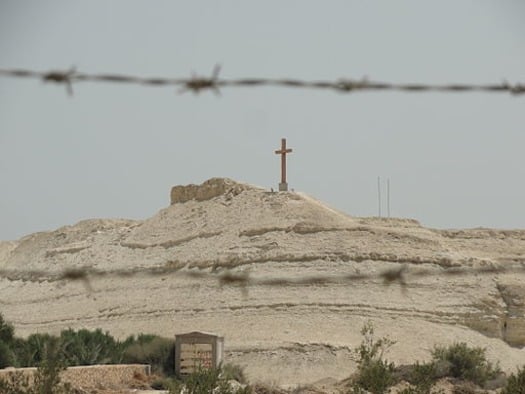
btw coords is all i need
(398, 275)
(196, 83)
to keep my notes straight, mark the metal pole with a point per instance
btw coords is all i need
(388, 196)
(379, 194)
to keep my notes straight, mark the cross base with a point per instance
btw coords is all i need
(283, 187)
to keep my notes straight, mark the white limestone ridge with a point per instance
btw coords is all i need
(225, 224)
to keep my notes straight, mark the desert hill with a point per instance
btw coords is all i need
(282, 334)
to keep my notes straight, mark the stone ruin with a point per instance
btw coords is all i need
(207, 190)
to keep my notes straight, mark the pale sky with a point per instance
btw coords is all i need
(114, 151)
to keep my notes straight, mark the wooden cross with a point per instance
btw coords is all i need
(283, 186)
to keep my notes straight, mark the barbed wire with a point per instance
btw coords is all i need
(196, 83)
(399, 275)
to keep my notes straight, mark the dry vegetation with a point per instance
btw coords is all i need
(466, 368)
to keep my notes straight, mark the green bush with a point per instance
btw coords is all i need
(515, 383)
(84, 347)
(7, 331)
(205, 381)
(423, 377)
(157, 351)
(143, 338)
(466, 363)
(7, 356)
(374, 374)
(31, 352)
(46, 379)
(202, 381)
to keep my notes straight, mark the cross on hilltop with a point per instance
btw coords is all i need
(283, 186)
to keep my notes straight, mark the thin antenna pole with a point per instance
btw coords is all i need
(379, 194)
(388, 196)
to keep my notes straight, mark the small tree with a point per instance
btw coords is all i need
(47, 377)
(7, 356)
(31, 352)
(7, 331)
(374, 373)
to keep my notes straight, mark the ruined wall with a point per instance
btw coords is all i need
(94, 376)
(206, 191)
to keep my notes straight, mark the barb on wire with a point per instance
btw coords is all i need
(77, 275)
(196, 84)
(395, 275)
(64, 77)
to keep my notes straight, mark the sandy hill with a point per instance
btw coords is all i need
(282, 334)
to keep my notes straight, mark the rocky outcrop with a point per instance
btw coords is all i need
(513, 324)
(207, 190)
(6, 248)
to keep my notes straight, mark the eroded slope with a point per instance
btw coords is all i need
(244, 228)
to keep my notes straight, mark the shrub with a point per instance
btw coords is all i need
(157, 351)
(7, 331)
(202, 381)
(7, 356)
(423, 377)
(233, 372)
(84, 347)
(162, 383)
(31, 352)
(205, 381)
(412, 390)
(374, 374)
(7, 338)
(466, 363)
(144, 338)
(515, 383)
(46, 379)
(19, 349)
